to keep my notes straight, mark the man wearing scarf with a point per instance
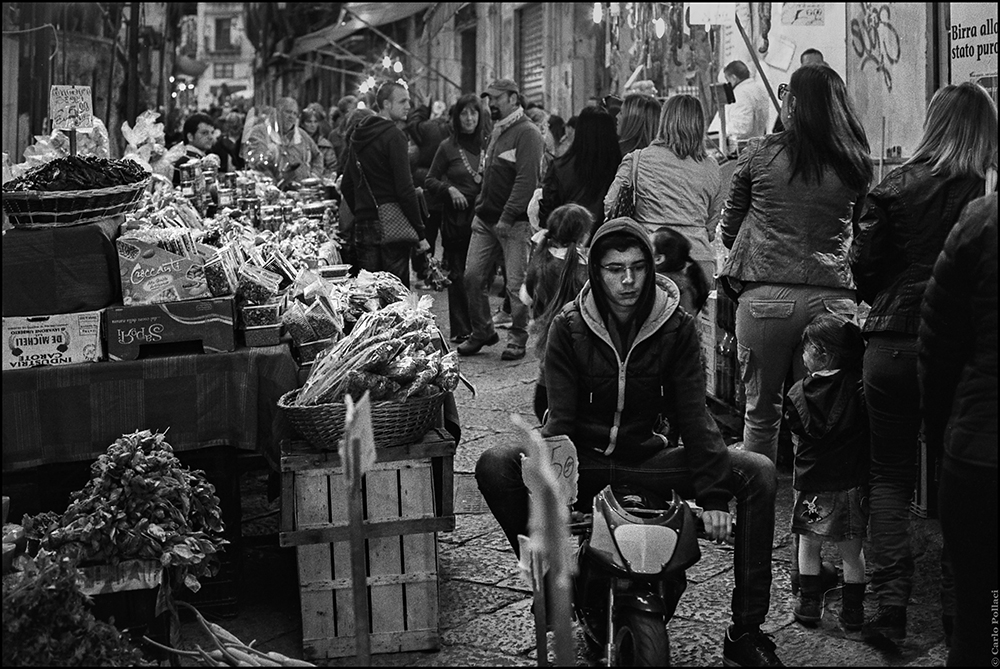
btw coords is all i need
(500, 230)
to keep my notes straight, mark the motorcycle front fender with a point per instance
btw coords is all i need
(647, 602)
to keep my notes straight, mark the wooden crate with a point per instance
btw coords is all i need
(404, 509)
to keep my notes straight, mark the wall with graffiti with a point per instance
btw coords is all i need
(887, 72)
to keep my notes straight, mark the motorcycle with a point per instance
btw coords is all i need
(634, 550)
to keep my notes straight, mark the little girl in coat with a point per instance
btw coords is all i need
(827, 411)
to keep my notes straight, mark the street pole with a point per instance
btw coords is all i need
(132, 102)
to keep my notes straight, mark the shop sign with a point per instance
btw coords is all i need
(972, 45)
(71, 107)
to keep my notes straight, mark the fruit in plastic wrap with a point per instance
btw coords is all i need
(378, 357)
(447, 378)
(403, 369)
(426, 375)
(380, 387)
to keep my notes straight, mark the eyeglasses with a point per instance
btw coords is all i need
(618, 270)
(782, 89)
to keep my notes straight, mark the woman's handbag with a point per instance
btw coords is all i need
(394, 227)
(625, 202)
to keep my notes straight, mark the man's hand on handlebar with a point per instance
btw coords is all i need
(718, 526)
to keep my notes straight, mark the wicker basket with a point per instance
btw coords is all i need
(56, 209)
(394, 423)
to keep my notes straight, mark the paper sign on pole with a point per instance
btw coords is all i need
(560, 457)
(71, 107)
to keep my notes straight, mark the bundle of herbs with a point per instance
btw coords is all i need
(140, 503)
(47, 621)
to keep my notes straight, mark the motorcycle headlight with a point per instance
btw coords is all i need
(646, 548)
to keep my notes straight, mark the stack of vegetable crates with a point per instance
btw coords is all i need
(408, 498)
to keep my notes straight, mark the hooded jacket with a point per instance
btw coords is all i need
(380, 147)
(621, 406)
(828, 413)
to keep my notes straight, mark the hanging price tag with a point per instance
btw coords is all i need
(71, 107)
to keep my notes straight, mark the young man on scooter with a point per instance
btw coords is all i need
(622, 365)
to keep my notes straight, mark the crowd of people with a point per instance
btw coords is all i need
(613, 289)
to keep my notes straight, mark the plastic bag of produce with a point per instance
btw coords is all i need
(447, 378)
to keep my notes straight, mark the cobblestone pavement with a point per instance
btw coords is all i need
(484, 610)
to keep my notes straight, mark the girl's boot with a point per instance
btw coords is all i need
(852, 607)
(809, 610)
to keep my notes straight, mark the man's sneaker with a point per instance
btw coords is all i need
(472, 346)
(888, 622)
(751, 649)
(501, 319)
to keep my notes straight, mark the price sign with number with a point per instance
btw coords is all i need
(71, 107)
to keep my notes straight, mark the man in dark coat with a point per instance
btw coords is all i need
(622, 364)
(958, 379)
(379, 147)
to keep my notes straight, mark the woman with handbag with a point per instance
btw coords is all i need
(906, 223)
(788, 221)
(378, 187)
(672, 182)
(454, 179)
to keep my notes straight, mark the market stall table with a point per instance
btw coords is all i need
(212, 406)
(74, 412)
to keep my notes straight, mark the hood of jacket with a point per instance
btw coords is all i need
(634, 229)
(370, 130)
(657, 303)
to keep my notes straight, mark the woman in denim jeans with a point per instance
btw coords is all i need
(788, 222)
(904, 228)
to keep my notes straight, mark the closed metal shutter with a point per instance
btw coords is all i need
(531, 70)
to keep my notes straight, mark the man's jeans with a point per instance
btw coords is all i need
(486, 248)
(893, 398)
(753, 482)
(770, 319)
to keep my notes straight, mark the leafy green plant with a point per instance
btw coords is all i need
(47, 621)
(139, 503)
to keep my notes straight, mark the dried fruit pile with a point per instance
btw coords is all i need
(78, 173)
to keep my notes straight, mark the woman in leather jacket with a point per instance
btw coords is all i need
(788, 222)
(907, 220)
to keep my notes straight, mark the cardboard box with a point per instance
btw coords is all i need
(208, 321)
(151, 275)
(61, 339)
(707, 330)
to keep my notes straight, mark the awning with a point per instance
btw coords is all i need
(370, 13)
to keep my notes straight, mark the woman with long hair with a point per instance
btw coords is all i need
(637, 122)
(455, 179)
(788, 223)
(908, 218)
(676, 184)
(584, 173)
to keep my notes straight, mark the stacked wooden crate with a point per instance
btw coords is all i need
(408, 498)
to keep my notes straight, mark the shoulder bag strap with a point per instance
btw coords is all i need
(635, 176)
(362, 177)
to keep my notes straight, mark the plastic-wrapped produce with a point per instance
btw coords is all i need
(447, 378)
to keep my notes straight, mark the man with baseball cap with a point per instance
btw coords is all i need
(500, 229)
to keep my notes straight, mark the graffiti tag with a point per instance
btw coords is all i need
(875, 40)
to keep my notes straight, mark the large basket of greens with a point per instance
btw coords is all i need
(394, 355)
(74, 190)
